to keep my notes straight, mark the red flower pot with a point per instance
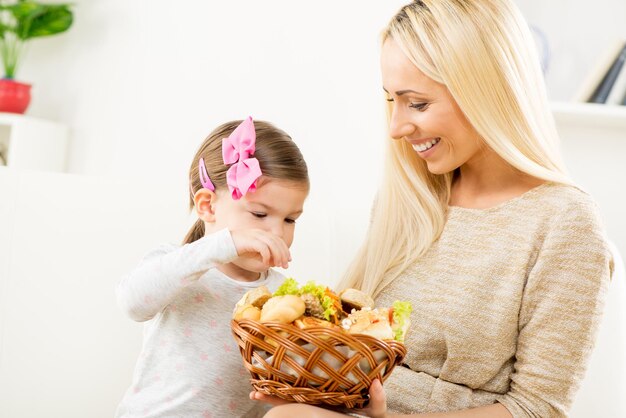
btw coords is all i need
(14, 96)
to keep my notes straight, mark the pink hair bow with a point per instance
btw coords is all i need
(241, 177)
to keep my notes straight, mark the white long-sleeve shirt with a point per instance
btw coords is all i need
(189, 365)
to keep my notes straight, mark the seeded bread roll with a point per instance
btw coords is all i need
(355, 299)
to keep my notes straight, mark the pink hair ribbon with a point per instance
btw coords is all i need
(204, 176)
(242, 175)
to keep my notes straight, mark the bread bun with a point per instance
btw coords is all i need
(284, 309)
(381, 330)
(247, 312)
(273, 343)
(355, 299)
(255, 297)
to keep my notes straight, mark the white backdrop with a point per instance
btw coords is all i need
(140, 83)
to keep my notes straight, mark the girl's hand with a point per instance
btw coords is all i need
(270, 400)
(377, 407)
(252, 243)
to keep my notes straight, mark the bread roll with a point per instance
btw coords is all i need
(247, 312)
(255, 297)
(355, 299)
(284, 309)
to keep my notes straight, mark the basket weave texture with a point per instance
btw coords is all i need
(316, 365)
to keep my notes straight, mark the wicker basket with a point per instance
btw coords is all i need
(314, 366)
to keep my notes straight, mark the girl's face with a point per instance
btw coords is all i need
(274, 207)
(425, 114)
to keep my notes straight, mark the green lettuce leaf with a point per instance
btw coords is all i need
(288, 287)
(401, 314)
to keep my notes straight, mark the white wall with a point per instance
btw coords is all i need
(145, 80)
(142, 82)
(578, 32)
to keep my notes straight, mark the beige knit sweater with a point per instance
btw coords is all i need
(506, 307)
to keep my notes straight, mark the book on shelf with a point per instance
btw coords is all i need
(598, 84)
(601, 94)
(617, 95)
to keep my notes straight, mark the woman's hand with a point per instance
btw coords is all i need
(256, 243)
(377, 407)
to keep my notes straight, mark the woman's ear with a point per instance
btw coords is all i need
(204, 204)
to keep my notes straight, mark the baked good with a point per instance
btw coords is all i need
(313, 305)
(284, 309)
(247, 312)
(383, 323)
(355, 299)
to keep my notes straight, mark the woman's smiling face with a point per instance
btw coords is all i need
(425, 114)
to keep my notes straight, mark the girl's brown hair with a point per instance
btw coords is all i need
(279, 158)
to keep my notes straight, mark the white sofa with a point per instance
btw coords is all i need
(67, 351)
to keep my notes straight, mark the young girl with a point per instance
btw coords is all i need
(248, 183)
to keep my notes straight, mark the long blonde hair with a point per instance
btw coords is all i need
(484, 53)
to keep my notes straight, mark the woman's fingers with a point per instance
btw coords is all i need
(378, 401)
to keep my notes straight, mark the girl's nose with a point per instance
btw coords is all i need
(277, 229)
(400, 125)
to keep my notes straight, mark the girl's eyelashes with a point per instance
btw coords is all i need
(290, 221)
(259, 214)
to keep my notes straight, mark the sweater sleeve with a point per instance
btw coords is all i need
(154, 283)
(560, 313)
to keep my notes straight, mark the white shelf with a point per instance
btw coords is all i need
(32, 143)
(589, 114)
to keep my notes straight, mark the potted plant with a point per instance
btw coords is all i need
(20, 21)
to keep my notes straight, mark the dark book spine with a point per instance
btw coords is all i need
(604, 88)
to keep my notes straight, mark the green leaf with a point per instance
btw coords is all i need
(45, 21)
(288, 287)
(401, 314)
(3, 29)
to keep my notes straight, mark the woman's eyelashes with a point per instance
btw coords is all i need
(414, 105)
(419, 106)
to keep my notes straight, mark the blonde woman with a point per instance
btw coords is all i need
(477, 224)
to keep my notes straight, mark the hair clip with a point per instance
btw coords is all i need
(204, 176)
(242, 175)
